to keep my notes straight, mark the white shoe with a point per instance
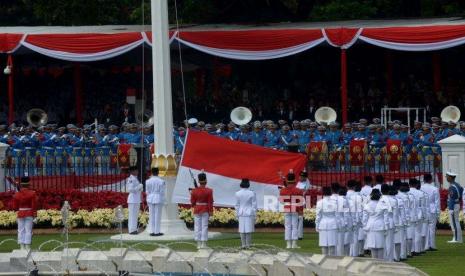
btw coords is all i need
(199, 245)
(204, 244)
(452, 241)
(27, 247)
(294, 244)
(22, 247)
(288, 245)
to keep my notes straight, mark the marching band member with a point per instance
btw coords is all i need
(134, 187)
(453, 204)
(434, 208)
(292, 198)
(155, 189)
(246, 208)
(25, 201)
(376, 221)
(202, 202)
(326, 222)
(304, 185)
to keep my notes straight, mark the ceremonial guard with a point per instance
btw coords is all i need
(246, 208)
(326, 222)
(453, 204)
(304, 185)
(388, 200)
(367, 187)
(292, 199)
(25, 202)
(155, 189)
(356, 206)
(375, 221)
(134, 188)
(202, 202)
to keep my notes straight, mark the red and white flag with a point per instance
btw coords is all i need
(226, 162)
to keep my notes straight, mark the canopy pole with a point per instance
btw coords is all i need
(437, 73)
(344, 85)
(11, 104)
(78, 93)
(389, 73)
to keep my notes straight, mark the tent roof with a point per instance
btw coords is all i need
(245, 42)
(111, 29)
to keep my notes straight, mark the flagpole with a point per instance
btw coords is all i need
(163, 157)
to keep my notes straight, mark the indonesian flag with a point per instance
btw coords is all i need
(131, 95)
(226, 162)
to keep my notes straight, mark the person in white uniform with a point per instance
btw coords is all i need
(379, 180)
(355, 204)
(155, 189)
(342, 205)
(304, 185)
(246, 209)
(398, 215)
(434, 208)
(375, 223)
(348, 216)
(326, 223)
(388, 200)
(361, 232)
(403, 200)
(419, 201)
(134, 188)
(367, 186)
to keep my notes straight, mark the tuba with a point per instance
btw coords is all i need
(241, 115)
(450, 113)
(36, 117)
(144, 118)
(325, 114)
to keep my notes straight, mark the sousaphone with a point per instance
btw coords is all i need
(450, 113)
(241, 115)
(325, 115)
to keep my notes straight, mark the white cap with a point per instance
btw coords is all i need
(450, 173)
(192, 121)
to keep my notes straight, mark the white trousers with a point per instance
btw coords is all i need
(340, 243)
(354, 245)
(133, 217)
(455, 224)
(417, 239)
(431, 238)
(24, 230)
(201, 227)
(301, 227)
(291, 223)
(155, 217)
(389, 248)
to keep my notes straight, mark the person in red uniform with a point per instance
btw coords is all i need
(292, 199)
(25, 202)
(202, 202)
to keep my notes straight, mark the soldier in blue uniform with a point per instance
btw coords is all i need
(244, 134)
(272, 137)
(232, 133)
(453, 204)
(180, 140)
(61, 155)
(304, 136)
(16, 152)
(258, 138)
(335, 144)
(462, 128)
(377, 145)
(285, 137)
(361, 133)
(426, 143)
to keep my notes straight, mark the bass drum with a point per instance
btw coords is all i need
(127, 156)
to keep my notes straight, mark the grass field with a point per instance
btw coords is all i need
(448, 260)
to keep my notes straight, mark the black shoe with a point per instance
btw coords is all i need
(403, 260)
(153, 234)
(361, 255)
(301, 239)
(432, 249)
(133, 233)
(159, 234)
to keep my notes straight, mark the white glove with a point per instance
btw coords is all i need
(140, 187)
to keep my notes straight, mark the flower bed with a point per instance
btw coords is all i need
(222, 217)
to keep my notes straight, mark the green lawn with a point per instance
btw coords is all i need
(448, 260)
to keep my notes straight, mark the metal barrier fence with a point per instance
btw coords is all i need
(97, 172)
(86, 172)
(325, 168)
